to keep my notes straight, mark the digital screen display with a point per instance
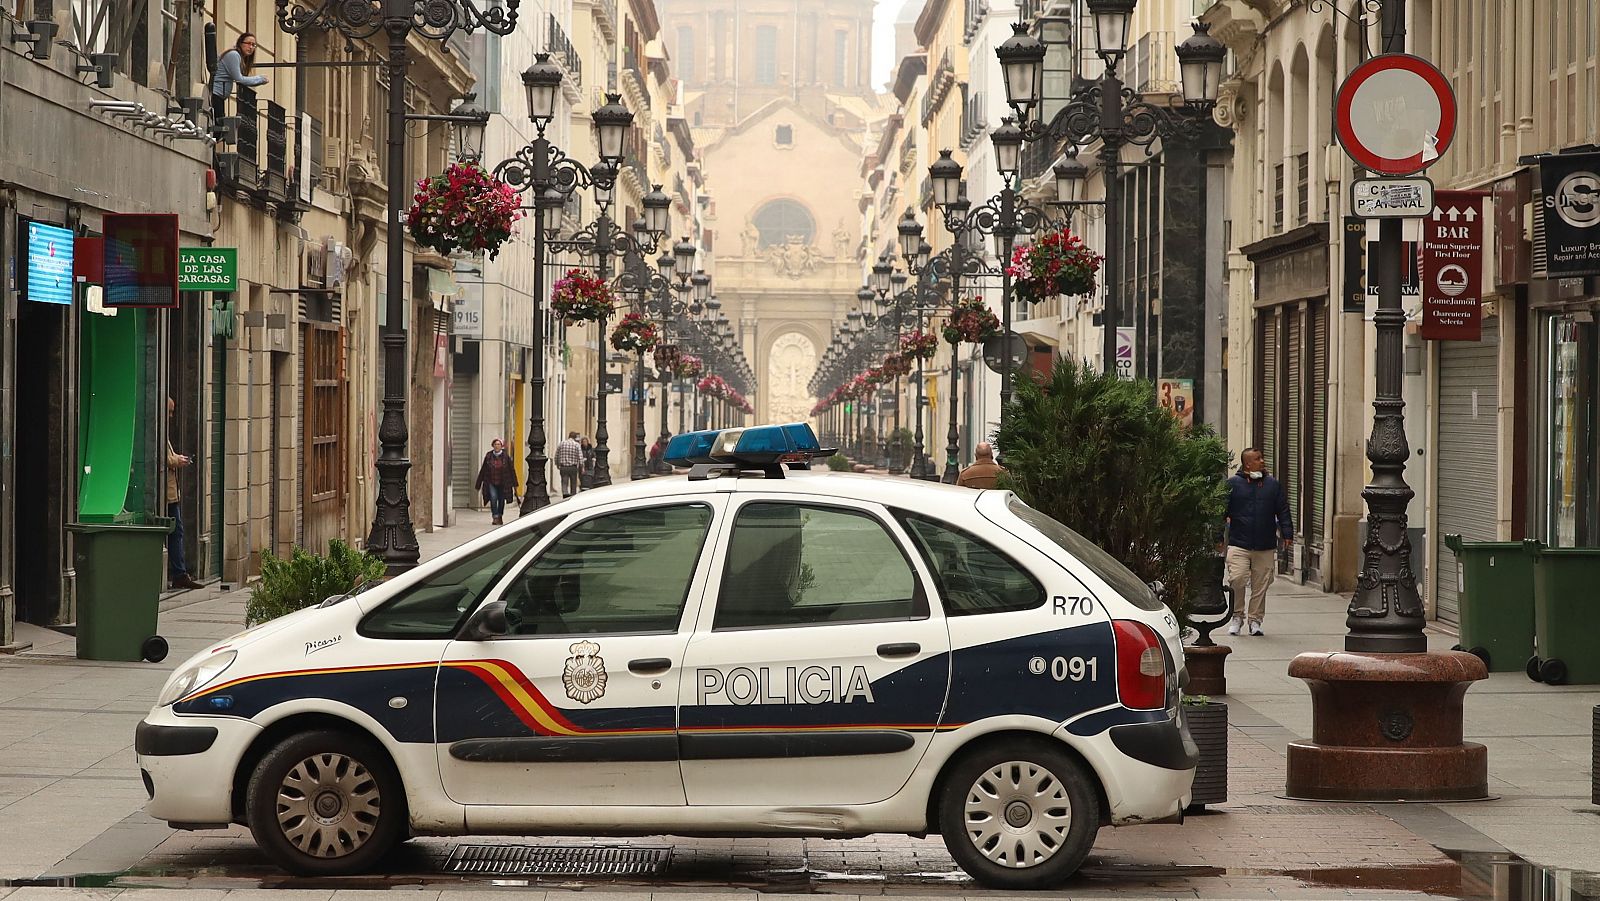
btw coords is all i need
(48, 276)
(141, 251)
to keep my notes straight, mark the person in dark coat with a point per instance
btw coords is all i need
(497, 479)
(1257, 521)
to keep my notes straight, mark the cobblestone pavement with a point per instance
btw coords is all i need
(71, 823)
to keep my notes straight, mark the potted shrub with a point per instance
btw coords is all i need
(464, 208)
(1208, 725)
(1096, 452)
(305, 580)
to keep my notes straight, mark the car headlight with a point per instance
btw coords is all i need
(196, 675)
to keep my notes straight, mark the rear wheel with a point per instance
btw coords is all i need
(1019, 818)
(326, 803)
(1553, 672)
(1532, 668)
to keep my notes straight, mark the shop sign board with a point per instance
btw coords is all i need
(1125, 338)
(1176, 396)
(1395, 114)
(47, 277)
(1570, 184)
(469, 316)
(1452, 268)
(141, 255)
(208, 269)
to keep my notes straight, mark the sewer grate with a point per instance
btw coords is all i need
(1348, 810)
(558, 860)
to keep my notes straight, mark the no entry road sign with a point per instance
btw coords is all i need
(1395, 114)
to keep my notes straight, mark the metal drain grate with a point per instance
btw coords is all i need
(1354, 810)
(558, 860)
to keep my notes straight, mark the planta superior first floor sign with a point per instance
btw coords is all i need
(1452, 267)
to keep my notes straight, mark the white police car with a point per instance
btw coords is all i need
(805, 654)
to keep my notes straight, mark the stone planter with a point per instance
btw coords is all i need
(1208, 725)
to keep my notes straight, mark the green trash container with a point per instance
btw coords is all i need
(1566, 617)
(1495, 593)
(120, 563)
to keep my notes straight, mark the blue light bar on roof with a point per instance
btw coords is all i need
(761, 445)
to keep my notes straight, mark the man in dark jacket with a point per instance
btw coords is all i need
(1258, 518)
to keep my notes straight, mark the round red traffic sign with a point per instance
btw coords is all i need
(1395, 114)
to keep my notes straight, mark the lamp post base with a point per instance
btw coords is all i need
(1387, 727)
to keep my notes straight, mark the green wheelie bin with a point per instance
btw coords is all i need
(120, 567)
(1566, 616)
(1496, 597)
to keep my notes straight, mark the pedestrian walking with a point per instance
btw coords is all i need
(497, 479)
(234, 67)
(984, 472)
(658, 453)
(569, 459)
(586, 472)
(177, 565)
(1258, 520)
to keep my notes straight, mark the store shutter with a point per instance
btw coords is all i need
(464, 455)
(1267, 386)
(1466, 455)
(1291, 469)
(1317, 474)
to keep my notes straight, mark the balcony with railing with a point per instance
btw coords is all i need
(606, 17)
(1037, 157)
(1302, 183)
(1152, 64)
(1278, 198)
(938, 87)
(633, 78)
(973, 18)
(275, 179)
(238, 164)
(663, 147)
(561, 50)
(973, 118)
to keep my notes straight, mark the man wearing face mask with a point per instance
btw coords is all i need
(1258, 518)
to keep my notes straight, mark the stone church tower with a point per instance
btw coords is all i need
(778, 95)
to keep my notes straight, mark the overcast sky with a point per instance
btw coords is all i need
(883, 16)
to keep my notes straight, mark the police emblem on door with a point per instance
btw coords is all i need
(585, 675)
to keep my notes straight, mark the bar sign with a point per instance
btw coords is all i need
(208, 269)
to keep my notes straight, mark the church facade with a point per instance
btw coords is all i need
(779, 100)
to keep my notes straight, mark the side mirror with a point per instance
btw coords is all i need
(332, 599)
(489, 622)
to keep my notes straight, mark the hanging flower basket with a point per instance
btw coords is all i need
(713, 385)
(971, 321)
(919, 345)
(634, 334)
(1058, 263)
(895, 365)
(689, 367)
(465, 208)
(581, 297)
(667, 357)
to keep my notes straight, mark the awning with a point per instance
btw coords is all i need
(442, 289)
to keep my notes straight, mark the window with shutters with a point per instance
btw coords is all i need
(324, 411)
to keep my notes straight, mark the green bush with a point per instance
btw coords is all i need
(1097, 454)
(838, 463)
(305, 579)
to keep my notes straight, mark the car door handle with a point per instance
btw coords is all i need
(649, 666)
(899, 649)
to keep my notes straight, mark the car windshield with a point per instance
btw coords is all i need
(1107, 567)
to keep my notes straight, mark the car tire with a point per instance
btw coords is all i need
(326, 803)
(1019, 817)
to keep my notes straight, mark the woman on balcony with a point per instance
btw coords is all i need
(234, 66)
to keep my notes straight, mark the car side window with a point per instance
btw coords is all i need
(623, 572)
(798, 565)
(973, 575)
(435, 606)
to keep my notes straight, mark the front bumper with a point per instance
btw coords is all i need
(188, 763)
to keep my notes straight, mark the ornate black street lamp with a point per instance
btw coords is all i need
(604, 239)
(393, 537)
(543, 170)
(1107, 111)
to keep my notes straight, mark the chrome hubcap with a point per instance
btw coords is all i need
(1018, 814)
(328, 805)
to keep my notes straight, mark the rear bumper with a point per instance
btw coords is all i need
(1147, 771)
(1166, 744)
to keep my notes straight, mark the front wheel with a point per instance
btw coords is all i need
(1019, 818)
(326, 803)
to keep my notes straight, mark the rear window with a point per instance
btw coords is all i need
(1107, 567)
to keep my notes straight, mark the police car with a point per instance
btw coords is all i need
(748, 650)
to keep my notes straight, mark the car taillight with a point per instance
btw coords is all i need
(1141, 667)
